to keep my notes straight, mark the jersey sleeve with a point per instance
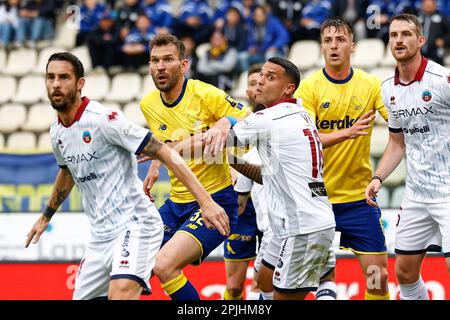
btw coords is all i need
(446, 86)
(379, 105)
(243, 184)
(393, 123)
(119, 131)
(252, 129)
(220, 104)
(306, 93)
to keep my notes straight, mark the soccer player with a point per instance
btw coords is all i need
(241, 247)
(94, 147)
(342, 101)
(418, 101)
(177, 109)
(300, 216)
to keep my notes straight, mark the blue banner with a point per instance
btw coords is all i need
(26, 182)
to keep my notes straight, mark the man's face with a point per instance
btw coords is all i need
(337, 46)
(273, 84)
(62, 85)
(252, 82)
(260, 17)
(166, 68)
(428, 6)
(403, 41)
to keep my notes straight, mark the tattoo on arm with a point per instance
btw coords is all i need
(152, 147)
(251, 171)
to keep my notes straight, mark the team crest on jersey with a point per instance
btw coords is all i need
(87, 138)
(356, 104)
(392, 101)
(60, 144)
(427, 96)
(112, 116)
(325, 105)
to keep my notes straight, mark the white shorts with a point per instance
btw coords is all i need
(266, 238)
(423, 227)
(303, 260)
(131, 255)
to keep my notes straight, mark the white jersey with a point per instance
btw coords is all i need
(292, 164)
(244, 185)
(98, 149)
(421, 110)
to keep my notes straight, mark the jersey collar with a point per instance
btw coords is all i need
(343, 81)
(173, 104)
(84, 102)
(285, 100)
(417, 77)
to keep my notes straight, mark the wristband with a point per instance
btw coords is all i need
(49, 212)
(377, 177)
(232, 120)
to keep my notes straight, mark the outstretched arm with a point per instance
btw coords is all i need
(63, 185)
(251, 171)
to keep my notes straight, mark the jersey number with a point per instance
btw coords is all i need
(316, 152)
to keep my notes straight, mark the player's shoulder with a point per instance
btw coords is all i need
(203, 89)
(150, 98)
(313, 78)
(434, 69)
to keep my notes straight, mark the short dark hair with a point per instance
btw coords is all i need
(410, 19)
(74, 61)
(290, 69)
(254, 68)
(338, 23)
(165, 39)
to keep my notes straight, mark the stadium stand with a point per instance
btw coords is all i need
(398, 176)
(12, 117)
(82, 53)
(378, 141)
(8, 88)
(133, 112)
(31, 89)
(202, 49)
(304, 54)
(397, 197)
(27, 58)
(147, 86)
(2, 59)
(44, 142)
(43, 56)
(2, 141)
(97, 86)
(240, 86)
(124, 87)
(40, 117)
(368, 53)
(22, 141)
(383, 198)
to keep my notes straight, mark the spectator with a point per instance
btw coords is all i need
(313, 14)
(9, 22)
(222, 8)
(36, 21)
(379, 13)
(160, 13)
(249, 8)
(436, 29)
(191, 55)
(127, 16)
(267, 38)
(102, 43)
(288, 11)
(136, 44)
(217, 65)
(235, 29)
(195, 17)
(353, 11)
(90, 14)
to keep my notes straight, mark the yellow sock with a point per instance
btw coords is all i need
(228, 296)
(370, 296)
(174, 284)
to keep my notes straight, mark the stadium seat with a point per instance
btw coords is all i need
(383, 198)
(111, 105)
(2, 59)
(96, 86)
(397, 197)
(388, 59)
(398, 176)
(66, 35)
(133, 113)
(82, 53)
(44, 142)
(320, 63)
(305, 74)
(12, 117)
(43, 58)
(382, 73)
(124, 87)
(7, 88)
(21, 141)
(2, 141)
(40, 117)
(304, 54)
(239, 91)
(378, 141)
(202, 49)
(31, 89)
(20, 62)
(147, 86)
(368, 53)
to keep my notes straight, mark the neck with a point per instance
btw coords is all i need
(407, 69)
(173, 94)
(68, 115)
(338, 73)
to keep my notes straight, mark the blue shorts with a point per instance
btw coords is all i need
(361, 227)
(186, 217)
(242, 244)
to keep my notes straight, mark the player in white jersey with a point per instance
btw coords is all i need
(301, 217)
(95, 148)
(418, 100)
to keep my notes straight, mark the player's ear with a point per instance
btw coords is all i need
(353, 47)
(290, 89)
(80, 83)
(422, 41)
(184, 65)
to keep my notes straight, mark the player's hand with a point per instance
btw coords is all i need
(38, 229)
(372, 191)
(143, 158)
(215, 217)
(150, 179)
(361, 126)
(216, 137)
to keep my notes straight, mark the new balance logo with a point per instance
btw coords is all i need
(345, 123)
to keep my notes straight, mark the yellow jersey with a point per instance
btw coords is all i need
(199, 106)
(337, 105)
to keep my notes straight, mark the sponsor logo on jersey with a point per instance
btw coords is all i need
(392, 101)
(89, 177)
(403, 113)
(325, 105)
(124, 264)
(60, 144)
(412, 131)
(112, 116)
(80, 158)
(126, 240)
(233, 103)
(356, 104)
(345, 123)
(125, 253)
(87, 138)
(280, 263)
(317, 189)
(427, 96)
(277, 275)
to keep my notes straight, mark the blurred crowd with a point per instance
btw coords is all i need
(240, 32)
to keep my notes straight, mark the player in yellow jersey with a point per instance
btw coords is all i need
(343, 100)
(178, 109)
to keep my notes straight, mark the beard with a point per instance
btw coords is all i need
(67, 101)
(168, 85)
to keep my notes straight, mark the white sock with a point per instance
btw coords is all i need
(414, 291)
(267, 295)
(251, 295)
(326, 291)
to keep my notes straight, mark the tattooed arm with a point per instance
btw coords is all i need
(251, 171)
(63, 185)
